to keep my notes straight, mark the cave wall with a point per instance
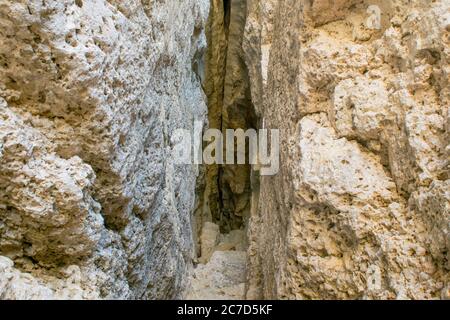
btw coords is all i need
(238, 113)
(361, 206)
(92, 204)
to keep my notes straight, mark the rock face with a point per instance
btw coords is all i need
(226, 189)
(222, 278)
(221, 273)
(361, 206)
(92, 204)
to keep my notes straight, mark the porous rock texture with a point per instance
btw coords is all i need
(361, 206)
(92, 204)
(224, 202)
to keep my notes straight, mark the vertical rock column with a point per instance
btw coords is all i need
(238, 113)
(225, 189)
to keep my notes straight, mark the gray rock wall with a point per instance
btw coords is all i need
(91, 202)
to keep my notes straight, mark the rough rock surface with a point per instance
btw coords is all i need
(226, 189)
(221, 274)
(91, 202)
(361, 206)
(224, 201)
(222, 278)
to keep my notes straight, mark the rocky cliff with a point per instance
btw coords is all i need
(91, 202)
(361, 206)
(94, 206)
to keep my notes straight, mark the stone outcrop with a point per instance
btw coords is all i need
(90, 93)
(222, 278)
(221, 274)
(361, 206)
(224, 201)
(94, 206)
(226, 189)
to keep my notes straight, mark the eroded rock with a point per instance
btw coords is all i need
(93, 90)
(358, 210)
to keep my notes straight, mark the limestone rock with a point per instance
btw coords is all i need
(90, 92)
(209, 240)
(94, 206)
(222, 278)
(360, 208)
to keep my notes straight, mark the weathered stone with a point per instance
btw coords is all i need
(222, 278)
(360, 207)
(93, 205)
(93, 90)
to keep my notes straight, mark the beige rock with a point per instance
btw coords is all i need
(222, 278)
(209, 240)
(358, 210)
(93, 205)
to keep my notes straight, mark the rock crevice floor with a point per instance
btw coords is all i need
(222, 272)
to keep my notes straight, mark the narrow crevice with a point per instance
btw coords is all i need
(227, 188)
(224, 191)
(227, 15)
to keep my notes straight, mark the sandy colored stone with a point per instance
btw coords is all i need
(93, 205)
(360, 208)
(222, 278)
(90, 93)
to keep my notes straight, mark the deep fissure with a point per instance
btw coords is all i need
(230, 107)
(225, 192)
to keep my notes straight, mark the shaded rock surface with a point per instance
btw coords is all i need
(90, 92)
